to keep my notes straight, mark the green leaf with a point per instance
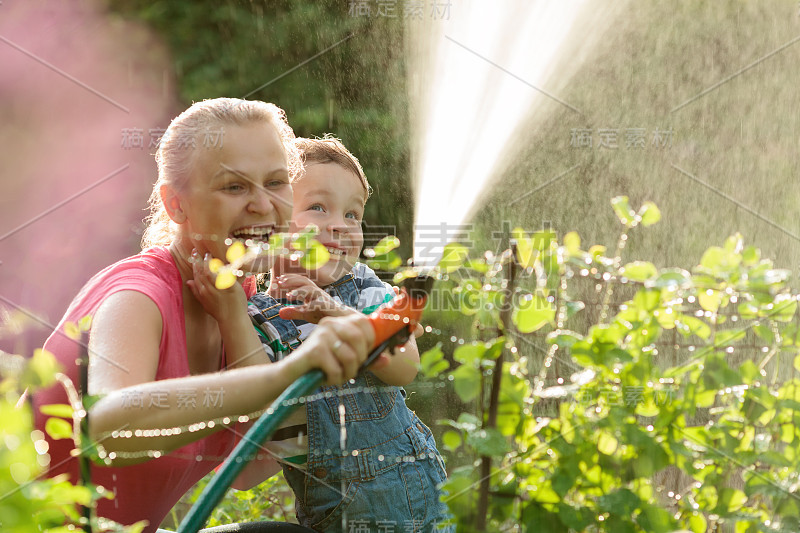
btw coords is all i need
(432, 362)
(90, 399)
(453, 257)
(575, 518)
(565, 338)
(40, 370)
(654, 519)
(532, 313)
(623, 210)
(469, 354)
(673, 279)
(526, 253)
(494, 348)
(72, 330)
(389, 261)
(647, 299)
(572, 242)
(705, 398)
(488, 442)
(386, 245)
(620, 501)
(710, 300)
(606, 443)
(451, 439)
(749, 371)
(542, 239)
(719, 261)
(537, 518)
(730, 500)
(315, 256)
(649, 213)
(751, 255)
(85, 323)
(57, 409)
(467, 382)
(235, 251)
(783, 308)
(58, 428)
(573, 308)
(689, 325)
(747, 310)
(639, 271)
(697, 523)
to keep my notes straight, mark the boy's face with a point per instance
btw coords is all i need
(331, 198)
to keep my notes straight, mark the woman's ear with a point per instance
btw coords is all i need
(172, 204)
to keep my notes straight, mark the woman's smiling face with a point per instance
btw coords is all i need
(331, 198)
(240, 190)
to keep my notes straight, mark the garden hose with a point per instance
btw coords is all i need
(393, 323)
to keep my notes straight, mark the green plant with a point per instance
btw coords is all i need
(659, 388)
(272, 500)
(28, 500)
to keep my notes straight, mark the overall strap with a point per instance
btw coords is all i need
(281, 335)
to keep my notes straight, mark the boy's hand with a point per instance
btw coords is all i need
(317, 304)
(295, 287)
(220, 304)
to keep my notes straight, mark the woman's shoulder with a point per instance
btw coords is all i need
(152, 272)
(154, 264)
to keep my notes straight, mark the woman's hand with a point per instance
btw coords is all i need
(337, 346)
(229, 309)
(220, 304)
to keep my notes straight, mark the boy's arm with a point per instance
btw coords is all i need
(403, 362)
(229, 309)
(403, 365)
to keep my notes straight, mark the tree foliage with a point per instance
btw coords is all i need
(641, 403)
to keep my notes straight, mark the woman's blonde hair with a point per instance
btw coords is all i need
(175, 157)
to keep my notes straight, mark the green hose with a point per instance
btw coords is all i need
(247, 447)
(261, 431)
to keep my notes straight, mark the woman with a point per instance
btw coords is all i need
(155, 352)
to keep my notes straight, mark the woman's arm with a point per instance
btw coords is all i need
(124, 351)
(229, 309)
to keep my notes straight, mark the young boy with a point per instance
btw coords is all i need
(356, 457)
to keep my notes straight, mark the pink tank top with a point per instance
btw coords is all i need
(145, 491)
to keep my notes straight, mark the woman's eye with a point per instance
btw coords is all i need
(234, 187)
(274, 184)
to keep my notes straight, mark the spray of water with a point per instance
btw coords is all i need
(474, 79)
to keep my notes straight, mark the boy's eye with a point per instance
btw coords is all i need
(316, 207)
(352, 215)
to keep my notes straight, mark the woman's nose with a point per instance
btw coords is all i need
(261, 200)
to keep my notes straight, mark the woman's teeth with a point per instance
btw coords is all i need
(259, 234)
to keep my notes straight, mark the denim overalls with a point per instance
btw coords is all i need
(387, 477)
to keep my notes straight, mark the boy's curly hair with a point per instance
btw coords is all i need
(329, 149)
